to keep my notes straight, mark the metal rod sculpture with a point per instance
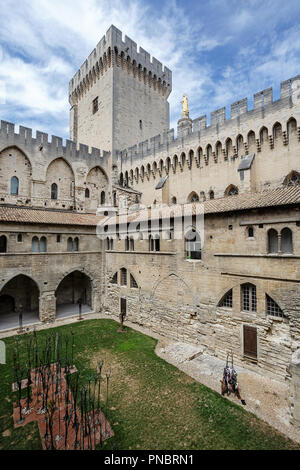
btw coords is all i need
(71, 412)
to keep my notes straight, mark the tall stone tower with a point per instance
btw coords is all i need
(119, 96)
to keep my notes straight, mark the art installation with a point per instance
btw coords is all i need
(69, 415)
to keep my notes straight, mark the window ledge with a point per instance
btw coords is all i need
(194, 261)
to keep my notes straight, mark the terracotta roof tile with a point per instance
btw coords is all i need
(37, 216)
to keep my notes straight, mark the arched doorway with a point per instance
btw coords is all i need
(75, 287)
(19, 295)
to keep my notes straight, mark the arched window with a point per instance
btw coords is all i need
(114, 279)
(14, 186)
(107, 243)
(250, 231)
(123, 277)
(218, 149)
(211, 194)
(76, 244)
(200, 154)
(272, 241)
(228, 147)
(239, 143)
(231, 190)
(286, 240)
(251, 139)
(291, 127)
(249, 298)
(131, 243)
(133, 282)
(193, 197)
(208, 152)
(277, 130)
(142, 171)
(102, 200)
(174, 200)
(43, 245)
(35, 245)
(70, 244)
(54, 191)
(273, 308)
(191, 157)
(87, 193)
(151, 243)
(121, 179)
(157, 242)
(127, 244)
(168, 164)
(182, 157)
(226, 300)
(263, 135)
(111, 244)
(292, 179)
(3, 244)
(175, 162)
(193, 245)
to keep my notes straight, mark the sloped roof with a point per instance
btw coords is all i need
(37, 216)
(269, 198)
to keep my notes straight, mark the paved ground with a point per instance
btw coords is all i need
(265, 397)
(11, 320)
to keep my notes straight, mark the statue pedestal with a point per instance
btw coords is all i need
(184, 127)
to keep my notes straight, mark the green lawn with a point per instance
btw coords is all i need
(152, 405)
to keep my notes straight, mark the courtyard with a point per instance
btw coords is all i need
(151, 403)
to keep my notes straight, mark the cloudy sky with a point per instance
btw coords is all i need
(218, 50)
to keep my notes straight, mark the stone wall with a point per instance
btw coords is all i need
(207, 158)
(38, 164)
(179, 298)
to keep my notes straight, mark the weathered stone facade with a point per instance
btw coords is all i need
(240, 293)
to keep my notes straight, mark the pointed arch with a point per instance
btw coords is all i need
(96, 183)
(226, 300)
(231, 190)
(193, 197)
(15, 172)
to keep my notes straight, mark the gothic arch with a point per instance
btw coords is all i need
(60, 172)
(231, 190)
(20, 274)
(96, 182)
(70, 271)
(15, 163)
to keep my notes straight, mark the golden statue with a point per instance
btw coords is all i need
(185, 106)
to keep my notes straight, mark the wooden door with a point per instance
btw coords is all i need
(250, 341)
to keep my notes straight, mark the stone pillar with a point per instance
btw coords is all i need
(96, 297)
(47, 306)
(294, 370)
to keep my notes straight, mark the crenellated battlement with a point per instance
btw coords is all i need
(110, 50)
(25, 140)
(220, 128)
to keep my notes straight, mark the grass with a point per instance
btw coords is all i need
(152, 405)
